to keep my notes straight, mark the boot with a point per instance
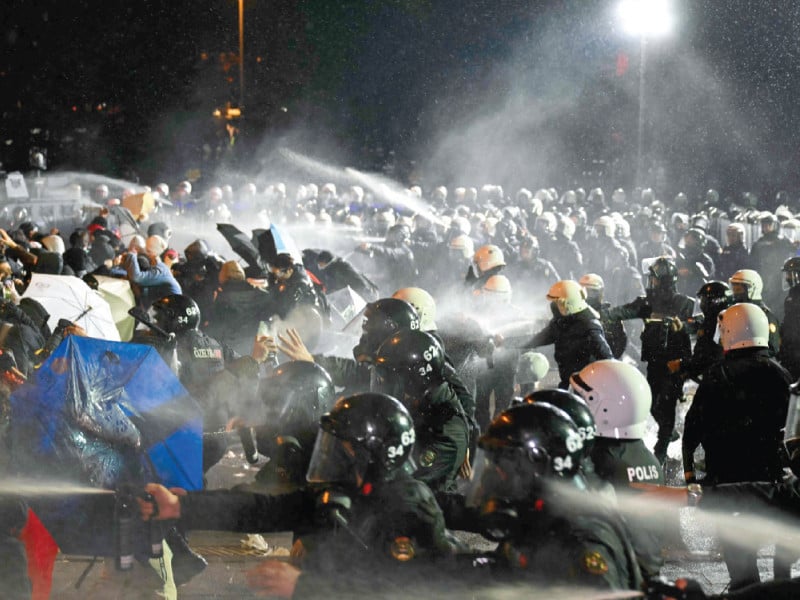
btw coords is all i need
(186, 563)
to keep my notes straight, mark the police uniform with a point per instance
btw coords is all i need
(790, 333)
(393, 528)
(621, 462)
(660, 345)
(578, 340)
(579, 550)
(443, 435)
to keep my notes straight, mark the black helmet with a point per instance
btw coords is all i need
(383, 318)
(365, 438)
(575, 407)
(714, 297)
(525, 447)
(399, 234)
(176, 313)
(792, 269)
(295, 396)
(695, 238)
(197, 250)
(663, 275)
(410, 362)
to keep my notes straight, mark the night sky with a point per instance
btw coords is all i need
(521, 93)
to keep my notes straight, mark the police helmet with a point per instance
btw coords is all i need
(714, 296)
(488, 257)
(525, 447)
(746, 285)
(365, 438)
(176, 313)
(423, 303)
(743, 325)
(411, 358)
(618, 396)
(295, 396)
(662, 275)
(575, 407)
(568, 297)
(695, 238)
(792, 269)
(197, 250)
(383, 318)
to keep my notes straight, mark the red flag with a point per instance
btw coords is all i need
(41, 550)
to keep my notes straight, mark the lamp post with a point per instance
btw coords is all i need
(645, 19)
(241, 53)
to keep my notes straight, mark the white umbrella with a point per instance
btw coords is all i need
(67, 297)
(119, 295)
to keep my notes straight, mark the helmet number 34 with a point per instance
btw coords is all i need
(406, 439)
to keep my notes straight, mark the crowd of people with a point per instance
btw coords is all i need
(448, 416)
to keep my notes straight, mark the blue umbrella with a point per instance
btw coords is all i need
(104, 414)
(274, 241)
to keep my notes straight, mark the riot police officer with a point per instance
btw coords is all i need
(574, 330)
(530, 493)
(663, 340)
(614, 330)
(619, 398)
(790, 329)
(747, 286)
(737, 415)
(293, 398)
(361, 517)
(210, 371)
(714, 297)
(410, 366)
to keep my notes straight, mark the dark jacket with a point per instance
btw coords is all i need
(578, 339)
(737, 415)
(393, 529)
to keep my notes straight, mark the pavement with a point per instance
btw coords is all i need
(692, 553)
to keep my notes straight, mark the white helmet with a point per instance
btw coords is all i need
(531, 367)
(743, 325)
(566, 226)
(498, 286)
(464, 244)
(487, 257)
(605, 225)
(547, 222)
(463, 225)
(569, 296)
(592, 281)
(423, 303)
(750, 280)
(736, 228)
(618, 396)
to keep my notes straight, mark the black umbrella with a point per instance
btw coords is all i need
(240, 244)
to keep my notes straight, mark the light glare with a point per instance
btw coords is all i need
(649, 18)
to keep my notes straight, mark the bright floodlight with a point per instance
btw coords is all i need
(647, 18)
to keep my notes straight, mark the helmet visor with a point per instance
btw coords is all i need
(792, 279)
(335, 460)
(507, 473)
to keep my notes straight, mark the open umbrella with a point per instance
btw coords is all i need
(67, 297)
(103, 414)
(240, 244)
(119, 295)
(277, 240)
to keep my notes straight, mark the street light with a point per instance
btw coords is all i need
(645, 19)
(241, 53)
